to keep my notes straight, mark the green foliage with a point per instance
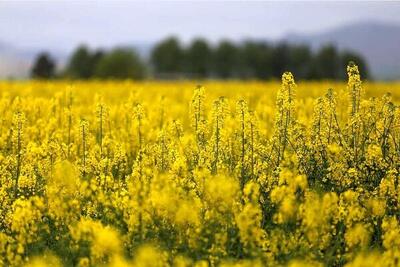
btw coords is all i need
(327, 63)
(44, 67)
(250, 60)
(167, 56)
(226, 59)
(300, 61)
(120, 64)
(83, 62)
(280, 59)
(254, 59)
(198, 58)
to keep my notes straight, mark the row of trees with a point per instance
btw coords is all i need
(250, 59)
(199, 60)
(119, 63)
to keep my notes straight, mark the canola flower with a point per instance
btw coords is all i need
(223, 174)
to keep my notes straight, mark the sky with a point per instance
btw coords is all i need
(64, 24)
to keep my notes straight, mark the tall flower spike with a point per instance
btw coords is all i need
(84, 128)
(242, 112)
(356, 93)
(197, 114)
(138, 114)
(285, 114)
(354, 86)
(219, 114)
(101, 113)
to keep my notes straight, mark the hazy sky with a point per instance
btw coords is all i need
(64, 24)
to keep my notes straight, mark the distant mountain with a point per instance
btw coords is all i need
(377, 42)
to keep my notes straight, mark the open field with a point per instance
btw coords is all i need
(176, 174)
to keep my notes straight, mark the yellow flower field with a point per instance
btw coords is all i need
(218, 174)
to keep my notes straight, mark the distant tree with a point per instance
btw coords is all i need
(43, 67)
(167, 57)
(198, 58)
(255, 60)
(82, 63)
(348, 56)
(251, 59)
(300, 59)
(95, 58)
(120, 64)
(226, 60)
(79, 64)
(280, 59)
(327, 63)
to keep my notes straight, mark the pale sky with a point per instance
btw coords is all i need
(64, 24)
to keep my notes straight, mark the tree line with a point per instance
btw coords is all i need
(170, 59)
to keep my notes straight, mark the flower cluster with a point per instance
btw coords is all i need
(240, 174)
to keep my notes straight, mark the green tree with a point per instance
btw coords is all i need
(198, 58)
(226, 60)
(300, 61)
(167, 57)
(43, 67)
(255, 60)
(95, 59)
(327, 63)
(79, 64)
(83, 62)
(280, 59)
(120, 63)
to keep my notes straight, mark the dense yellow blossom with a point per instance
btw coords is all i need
(227, 173)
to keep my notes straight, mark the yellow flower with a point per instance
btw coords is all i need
(84, 262)
(358, 235)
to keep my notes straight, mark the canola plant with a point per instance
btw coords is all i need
(223, 174)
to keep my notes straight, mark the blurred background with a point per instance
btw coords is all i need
(198, 40)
